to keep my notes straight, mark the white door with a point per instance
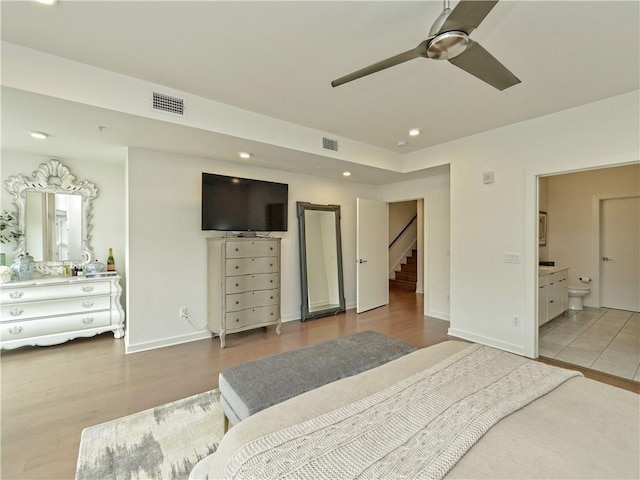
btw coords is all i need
(372, 250)
(620, 253)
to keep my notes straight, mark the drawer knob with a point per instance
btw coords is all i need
(237, 249)
(16, 294)
(237, 302)
(237, 284)
(87, 304)
(237, 267)
(271, 297)
(16, 312)
(270, 281)
(87, 320)
(87, 288)
(14, 330)
(237, 320)
(271, 314)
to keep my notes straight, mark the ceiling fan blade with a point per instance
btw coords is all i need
(467, 15)
(419, 51)
(481, 64)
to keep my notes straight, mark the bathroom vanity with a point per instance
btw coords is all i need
(553, 293)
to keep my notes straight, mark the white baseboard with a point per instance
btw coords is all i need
(491, 342)
(438, 315)
(166, 342)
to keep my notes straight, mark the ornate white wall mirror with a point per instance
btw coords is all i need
(320, 260)
(53, 216)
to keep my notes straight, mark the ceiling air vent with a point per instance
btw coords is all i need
(169, 104)
(329, 144)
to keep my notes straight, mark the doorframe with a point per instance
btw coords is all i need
(596, 214)
(532, 199)
(420, 239)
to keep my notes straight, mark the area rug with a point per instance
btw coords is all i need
(164, 442)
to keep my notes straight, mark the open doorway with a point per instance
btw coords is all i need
(372, 239)
(597, 329)
(406, 245)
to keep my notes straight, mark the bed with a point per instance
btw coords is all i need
(579, 429)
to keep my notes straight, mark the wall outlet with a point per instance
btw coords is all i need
(184, 312)
(516, 321)
(488, 177)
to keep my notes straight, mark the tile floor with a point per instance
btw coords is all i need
(598, 338)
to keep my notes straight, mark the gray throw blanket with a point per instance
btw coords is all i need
(418, 428)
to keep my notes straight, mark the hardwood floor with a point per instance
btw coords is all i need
(49, 395)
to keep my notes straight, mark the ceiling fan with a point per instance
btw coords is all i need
(449, 40)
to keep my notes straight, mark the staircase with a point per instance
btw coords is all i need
(407, 277)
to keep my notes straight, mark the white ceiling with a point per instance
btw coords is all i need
(278, 58)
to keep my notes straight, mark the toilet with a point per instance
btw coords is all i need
(576, 294)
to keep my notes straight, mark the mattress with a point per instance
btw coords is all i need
(582, 429)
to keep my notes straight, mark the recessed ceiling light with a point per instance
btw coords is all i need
(401, 143)
(346, 174)
(39, 135)
(47, 2)
(244, 155)
(414, 132)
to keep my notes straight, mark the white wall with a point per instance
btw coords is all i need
(167, 251)
(570, 220)
(435, 235)
(488, 221)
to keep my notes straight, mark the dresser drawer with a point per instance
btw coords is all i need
(47, 326)
(246, 283)
(245, 266)
(31, 293)
(260, 298)
(251, 248)
(20, 311)
(253, 316)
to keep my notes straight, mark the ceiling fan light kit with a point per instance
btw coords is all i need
(447, 45)
(449, 40)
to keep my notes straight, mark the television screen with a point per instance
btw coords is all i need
(240, 204)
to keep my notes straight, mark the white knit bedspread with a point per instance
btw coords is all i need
(417, 428)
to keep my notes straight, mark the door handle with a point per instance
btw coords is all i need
(607, 259)
(362, 261)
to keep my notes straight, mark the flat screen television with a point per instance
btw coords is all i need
(234, 204)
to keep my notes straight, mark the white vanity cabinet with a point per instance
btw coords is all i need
(243, 289)
(49, 311)
(553, 293)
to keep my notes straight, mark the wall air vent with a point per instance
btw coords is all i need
(168, 104)
(329, 144)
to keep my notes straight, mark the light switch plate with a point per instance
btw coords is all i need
(512, 258)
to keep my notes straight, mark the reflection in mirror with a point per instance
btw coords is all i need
(320, 260)
(53, 216)
(53, 226)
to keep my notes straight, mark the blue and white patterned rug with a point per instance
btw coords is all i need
(160, 443)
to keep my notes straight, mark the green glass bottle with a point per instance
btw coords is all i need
(111, 263)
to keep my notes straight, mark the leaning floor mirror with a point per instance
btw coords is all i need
(320, 260)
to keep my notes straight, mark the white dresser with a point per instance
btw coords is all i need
(243, 284)
(49, 311)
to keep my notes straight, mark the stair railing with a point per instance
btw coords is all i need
(415, 217)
